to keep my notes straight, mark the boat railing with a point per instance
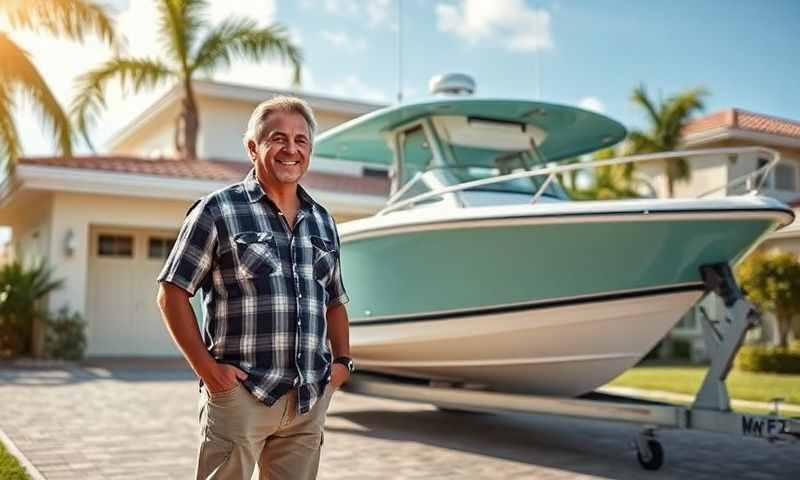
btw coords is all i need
(753, 181)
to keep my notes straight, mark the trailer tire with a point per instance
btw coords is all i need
(656, 459)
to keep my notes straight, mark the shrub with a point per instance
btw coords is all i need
(65, 337)
(681, 349)
(21, 290)
(759, 358)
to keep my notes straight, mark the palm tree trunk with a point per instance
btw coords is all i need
(784, 325)
(670, 172)
(190, 122)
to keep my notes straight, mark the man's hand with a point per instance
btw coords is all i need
(339, 375)
(222, 377)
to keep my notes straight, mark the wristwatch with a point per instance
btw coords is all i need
(347, 362)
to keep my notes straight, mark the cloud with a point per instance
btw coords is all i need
(262, 11)
(519, 27)
(343, 41)
(378, 13)
(353, 87)
(592, 103)
(341, 7)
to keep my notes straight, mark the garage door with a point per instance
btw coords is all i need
(123, 318)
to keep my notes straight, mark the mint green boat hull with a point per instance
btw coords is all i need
(425, 272)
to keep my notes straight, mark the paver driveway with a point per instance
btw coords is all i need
(142, 423)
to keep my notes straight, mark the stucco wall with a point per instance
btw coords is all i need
(31, 230)
(156, 138)
(223, 123)
(77, 212)
(784, 244)
(747, 163)
(707, 172)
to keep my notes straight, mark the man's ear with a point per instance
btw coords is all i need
(251, 150)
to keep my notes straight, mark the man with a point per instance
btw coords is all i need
(266, 257)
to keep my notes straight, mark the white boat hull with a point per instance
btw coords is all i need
(564, 350)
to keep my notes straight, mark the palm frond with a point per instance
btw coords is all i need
(136, 74)
(18, 73)
(641, 142)
(639, 97)
(72, 19)
(240, 38)
(180, 21)
(677, 113)
(10, 145)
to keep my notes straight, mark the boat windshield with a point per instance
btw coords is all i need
(465, 163)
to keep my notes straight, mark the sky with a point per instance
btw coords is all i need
(575, 52)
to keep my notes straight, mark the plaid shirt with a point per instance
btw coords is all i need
(265, 287)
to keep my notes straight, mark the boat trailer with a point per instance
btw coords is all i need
(710, 412)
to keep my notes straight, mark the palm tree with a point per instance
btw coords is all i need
(667, 120)
(71, 19)
(609, 182)
(192, 47)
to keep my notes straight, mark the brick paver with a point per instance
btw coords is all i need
(98, 424)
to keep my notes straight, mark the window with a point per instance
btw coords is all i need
(785, 175)
(120, 246)
(159, 247)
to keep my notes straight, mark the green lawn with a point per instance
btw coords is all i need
(687, 379)
(10, 469)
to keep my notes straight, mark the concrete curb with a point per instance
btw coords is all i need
(32, 471)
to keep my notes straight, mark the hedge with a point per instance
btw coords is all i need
(758, 358)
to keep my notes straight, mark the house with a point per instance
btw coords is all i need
(737, 128)
(107, 222)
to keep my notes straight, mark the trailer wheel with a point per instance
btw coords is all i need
(655, 459)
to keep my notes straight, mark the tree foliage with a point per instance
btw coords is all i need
(609, 182)
(71, 19)
(192, 47)
(666, 119)
(771, 281)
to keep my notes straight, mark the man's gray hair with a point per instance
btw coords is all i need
(283, 104)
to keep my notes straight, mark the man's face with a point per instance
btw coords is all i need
(281, 157)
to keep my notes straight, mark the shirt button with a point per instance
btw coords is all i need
(299, 295)
(299, 355)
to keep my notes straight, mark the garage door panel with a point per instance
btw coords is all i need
(123, 317)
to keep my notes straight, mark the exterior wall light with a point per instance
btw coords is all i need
(70, 243)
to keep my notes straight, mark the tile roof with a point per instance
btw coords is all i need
(744, 120)
(213, 170)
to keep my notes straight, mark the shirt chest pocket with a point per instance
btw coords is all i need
(324, 259)
(256, 254)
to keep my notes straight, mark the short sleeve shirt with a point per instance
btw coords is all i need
(265, 287)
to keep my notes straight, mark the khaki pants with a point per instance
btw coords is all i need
(238, 431)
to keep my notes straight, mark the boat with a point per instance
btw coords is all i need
(481, 271)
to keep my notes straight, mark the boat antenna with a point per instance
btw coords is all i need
(538, 55)
(399, 50)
